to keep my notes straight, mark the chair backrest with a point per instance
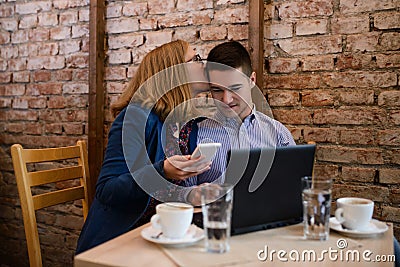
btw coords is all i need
(27, 179)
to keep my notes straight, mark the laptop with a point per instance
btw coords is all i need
(267, 192)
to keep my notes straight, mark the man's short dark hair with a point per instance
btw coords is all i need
(232, 54)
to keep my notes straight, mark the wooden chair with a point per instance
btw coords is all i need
(27, 179)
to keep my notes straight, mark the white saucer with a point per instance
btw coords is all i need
(193, 235)
(375, 227)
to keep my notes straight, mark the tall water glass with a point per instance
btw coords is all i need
(316, 207)
(216, 203)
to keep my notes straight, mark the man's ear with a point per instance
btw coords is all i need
(253, 77)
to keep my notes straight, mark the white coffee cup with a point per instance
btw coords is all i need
(354, 213)
(173, 219)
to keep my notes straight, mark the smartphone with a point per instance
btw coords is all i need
(208, 150)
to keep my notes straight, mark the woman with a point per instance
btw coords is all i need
(137, 145)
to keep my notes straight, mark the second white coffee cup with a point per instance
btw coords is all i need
(173, 219)
(354, 213)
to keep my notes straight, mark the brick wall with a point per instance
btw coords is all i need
(331, 77)
(44, 49)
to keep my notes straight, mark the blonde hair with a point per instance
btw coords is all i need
(167, 87)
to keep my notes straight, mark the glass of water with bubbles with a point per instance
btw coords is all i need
(216, 203)
(316, 197)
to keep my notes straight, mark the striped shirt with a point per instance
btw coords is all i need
(257, 130)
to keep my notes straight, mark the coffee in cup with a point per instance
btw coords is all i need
(354, 213)
(173, 219)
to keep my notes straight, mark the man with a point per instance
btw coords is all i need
(236, 123)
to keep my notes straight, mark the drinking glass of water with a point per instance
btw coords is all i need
(316, 207)
(216, 203)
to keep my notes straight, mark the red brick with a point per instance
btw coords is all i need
(5, 77)
(355, 6)
(213, 33)
(12, 89)
(53, 128)
(51, 115)
(232, 15)
(44, 89)
(317, 98)
(312, 45)
(360, 79)
(189, 5)
(390, 41)
(48, 49)
(282, 98)
(56, 102)
(350, 116)
(148, 24)
(158, 38)
(160, 6)
(69, 47)
(356, 97)
(115, 73)
(391, 214)
(4, 38)
(113, 10)
(17, 64)
(77, 61)
(350, 25)
(395, 117)
(75, 88)
(278, 30)
(125, 40)
(389, 176)
(5, 103)
(357, 137)
(293, 81)
(293, 116)
(305, 9)
(39, 35)
(321, 135)
(311, 26)
(20, 103)
(363, 42)
(190, 35)
(202, 17)
(80, 74)
(356, 174)
(115, 87)
(376, 193)
(62, 75)
(9, 52)
(41, 76)
(37, 102)
(238, 32)
(326, 171)
(22, 115)
(60, 33)
(296, 133)
(134, 9)
(173, 20)
(316, 63)
(389, 98)
(387, 20)
(282, 65)
(353, 61)
(350, 155)
(6, 10)
(388, 61)
(48, 19)
(389, 137)
(32, 7)
(20, 36)
(80, 31)
(28, 21)
(73, 128)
